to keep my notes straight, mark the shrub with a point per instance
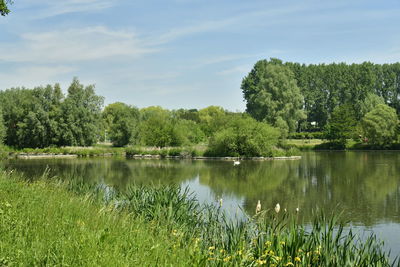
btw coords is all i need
(244, 136)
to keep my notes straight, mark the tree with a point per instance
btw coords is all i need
(272, 95)
(81, 115)
(121, 123)
(341, 125)
(32, 116)
(156, 128)
(212, 119)
(380, 125)
(369, 103)
(4, 7)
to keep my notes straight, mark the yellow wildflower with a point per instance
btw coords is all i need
(222, 251)
(211, 248)
(289, 264)
(297, 259)
(240, 252)
(261, 262)
(276, 258)
(226, 259)
(271, 253)
(268, 243)
(282, 243)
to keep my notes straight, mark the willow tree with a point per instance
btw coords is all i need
(272, 95)
(380, 125)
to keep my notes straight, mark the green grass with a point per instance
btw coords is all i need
(51, 223)
(42, 224)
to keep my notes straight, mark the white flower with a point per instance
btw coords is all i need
(277, 208)
(258, 207)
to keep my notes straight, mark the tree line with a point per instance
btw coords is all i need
(45, 117)
(342, 100)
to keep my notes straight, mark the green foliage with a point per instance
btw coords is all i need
(188, 114)
(272, 95)
(324, 87)
(189, 132)
(212, 119)
(43, 117)
(4, 7)
(157, 129)
(32, 117)
(244, 136)
(81, 115)
(341, 125)
(380, 125)
(121, 123)
(307, 135)
(2, 128)
(369, 103)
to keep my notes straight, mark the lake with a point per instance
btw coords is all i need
(364, 186)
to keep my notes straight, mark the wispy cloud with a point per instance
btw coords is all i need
(241, 69)
(32, 76)
(73, 45)
(51, 8)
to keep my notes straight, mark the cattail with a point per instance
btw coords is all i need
(277, 208)
(258, 207)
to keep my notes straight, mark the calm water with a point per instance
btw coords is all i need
(364, 185)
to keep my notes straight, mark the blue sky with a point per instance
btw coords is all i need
(185, 53)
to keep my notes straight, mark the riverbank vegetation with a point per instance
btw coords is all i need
(85, 225)
(339, 103)
(46, 120)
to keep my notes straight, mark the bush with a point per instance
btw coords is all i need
(244, 136)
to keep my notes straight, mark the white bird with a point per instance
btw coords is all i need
(236, 162)
(258, 207)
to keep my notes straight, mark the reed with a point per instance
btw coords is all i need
(96, 225)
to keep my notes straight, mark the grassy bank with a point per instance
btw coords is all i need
(52, 223)
(42, 224)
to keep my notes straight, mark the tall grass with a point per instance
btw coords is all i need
(191, 233)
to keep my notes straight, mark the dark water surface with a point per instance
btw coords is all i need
(365, 186)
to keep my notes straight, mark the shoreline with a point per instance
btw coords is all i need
(148, 156)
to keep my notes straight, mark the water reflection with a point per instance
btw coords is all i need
(365, 185)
